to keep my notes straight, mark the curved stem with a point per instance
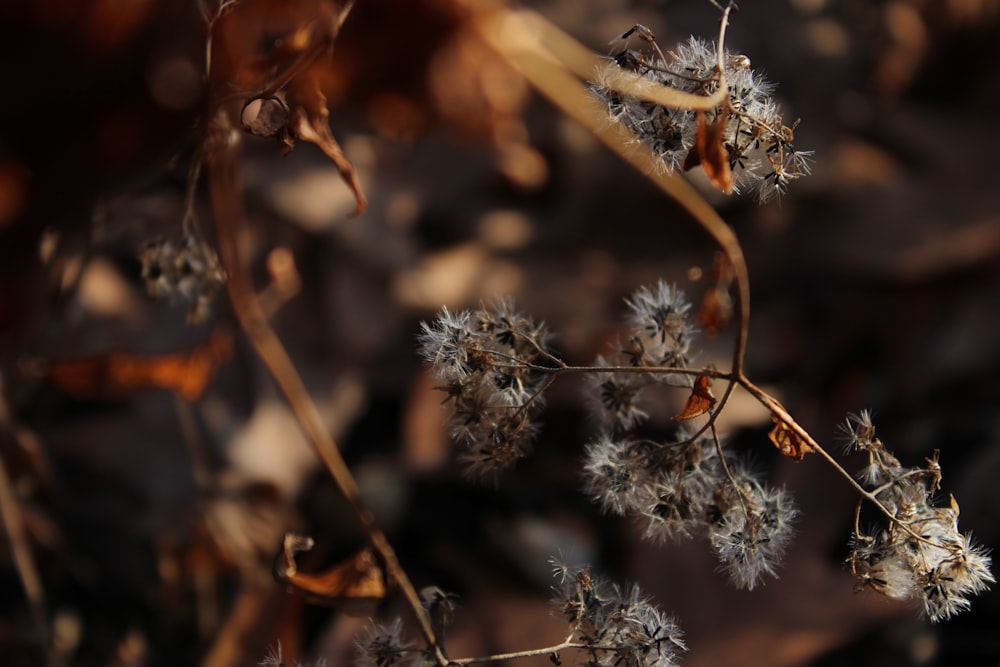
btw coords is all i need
(227, 207)
(552, 62)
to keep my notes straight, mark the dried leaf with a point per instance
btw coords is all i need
(716, 308)
(288, 102)
(311, 123)
(359, 578)
(700, 401)
(787, 441)
(119, 374)
(709, 152)
(715, 312)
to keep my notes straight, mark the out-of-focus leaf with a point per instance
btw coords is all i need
(120, 374)
(716, 307)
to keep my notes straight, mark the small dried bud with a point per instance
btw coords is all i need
(265, 116)
(487, 358)
(188, 270)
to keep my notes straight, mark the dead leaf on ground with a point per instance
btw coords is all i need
(700, 401)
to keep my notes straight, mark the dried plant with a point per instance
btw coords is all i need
(701, 106)
(742, 143)
(696, 106)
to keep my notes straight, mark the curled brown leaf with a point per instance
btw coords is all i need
(700, 401)
(358, 578)
(788, 442)
(709, 152)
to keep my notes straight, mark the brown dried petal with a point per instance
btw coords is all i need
(709, 152)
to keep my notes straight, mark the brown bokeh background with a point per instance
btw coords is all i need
(152, 521)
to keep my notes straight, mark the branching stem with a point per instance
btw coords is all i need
(733, 380)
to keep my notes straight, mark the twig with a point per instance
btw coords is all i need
(227, 205)
(733, 380)
(548, 650)
(785, 418)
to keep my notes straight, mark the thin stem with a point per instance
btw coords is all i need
(729, 474)
(857, 536)
(721, 45)
(568, 644)
(920, 472)
(227, 204)
(535, 396)
(765, 399)
(782, 415)
(637, 370)
(539, 348)
(189, 221)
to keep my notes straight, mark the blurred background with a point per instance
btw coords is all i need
(152, 508)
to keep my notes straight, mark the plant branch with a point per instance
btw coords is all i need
(227, 206)
(780, 413)
(568, 644)
(733, 380)
(554, 63)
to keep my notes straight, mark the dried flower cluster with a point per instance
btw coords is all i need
(274, 658)
(383, 645)
(660, 337)
(679, 488)
(920, 555)
(485, 359)
(757, 144)
(608, 624)
(615, 626)
(494, 365)
(187, 269)
(682, 487)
